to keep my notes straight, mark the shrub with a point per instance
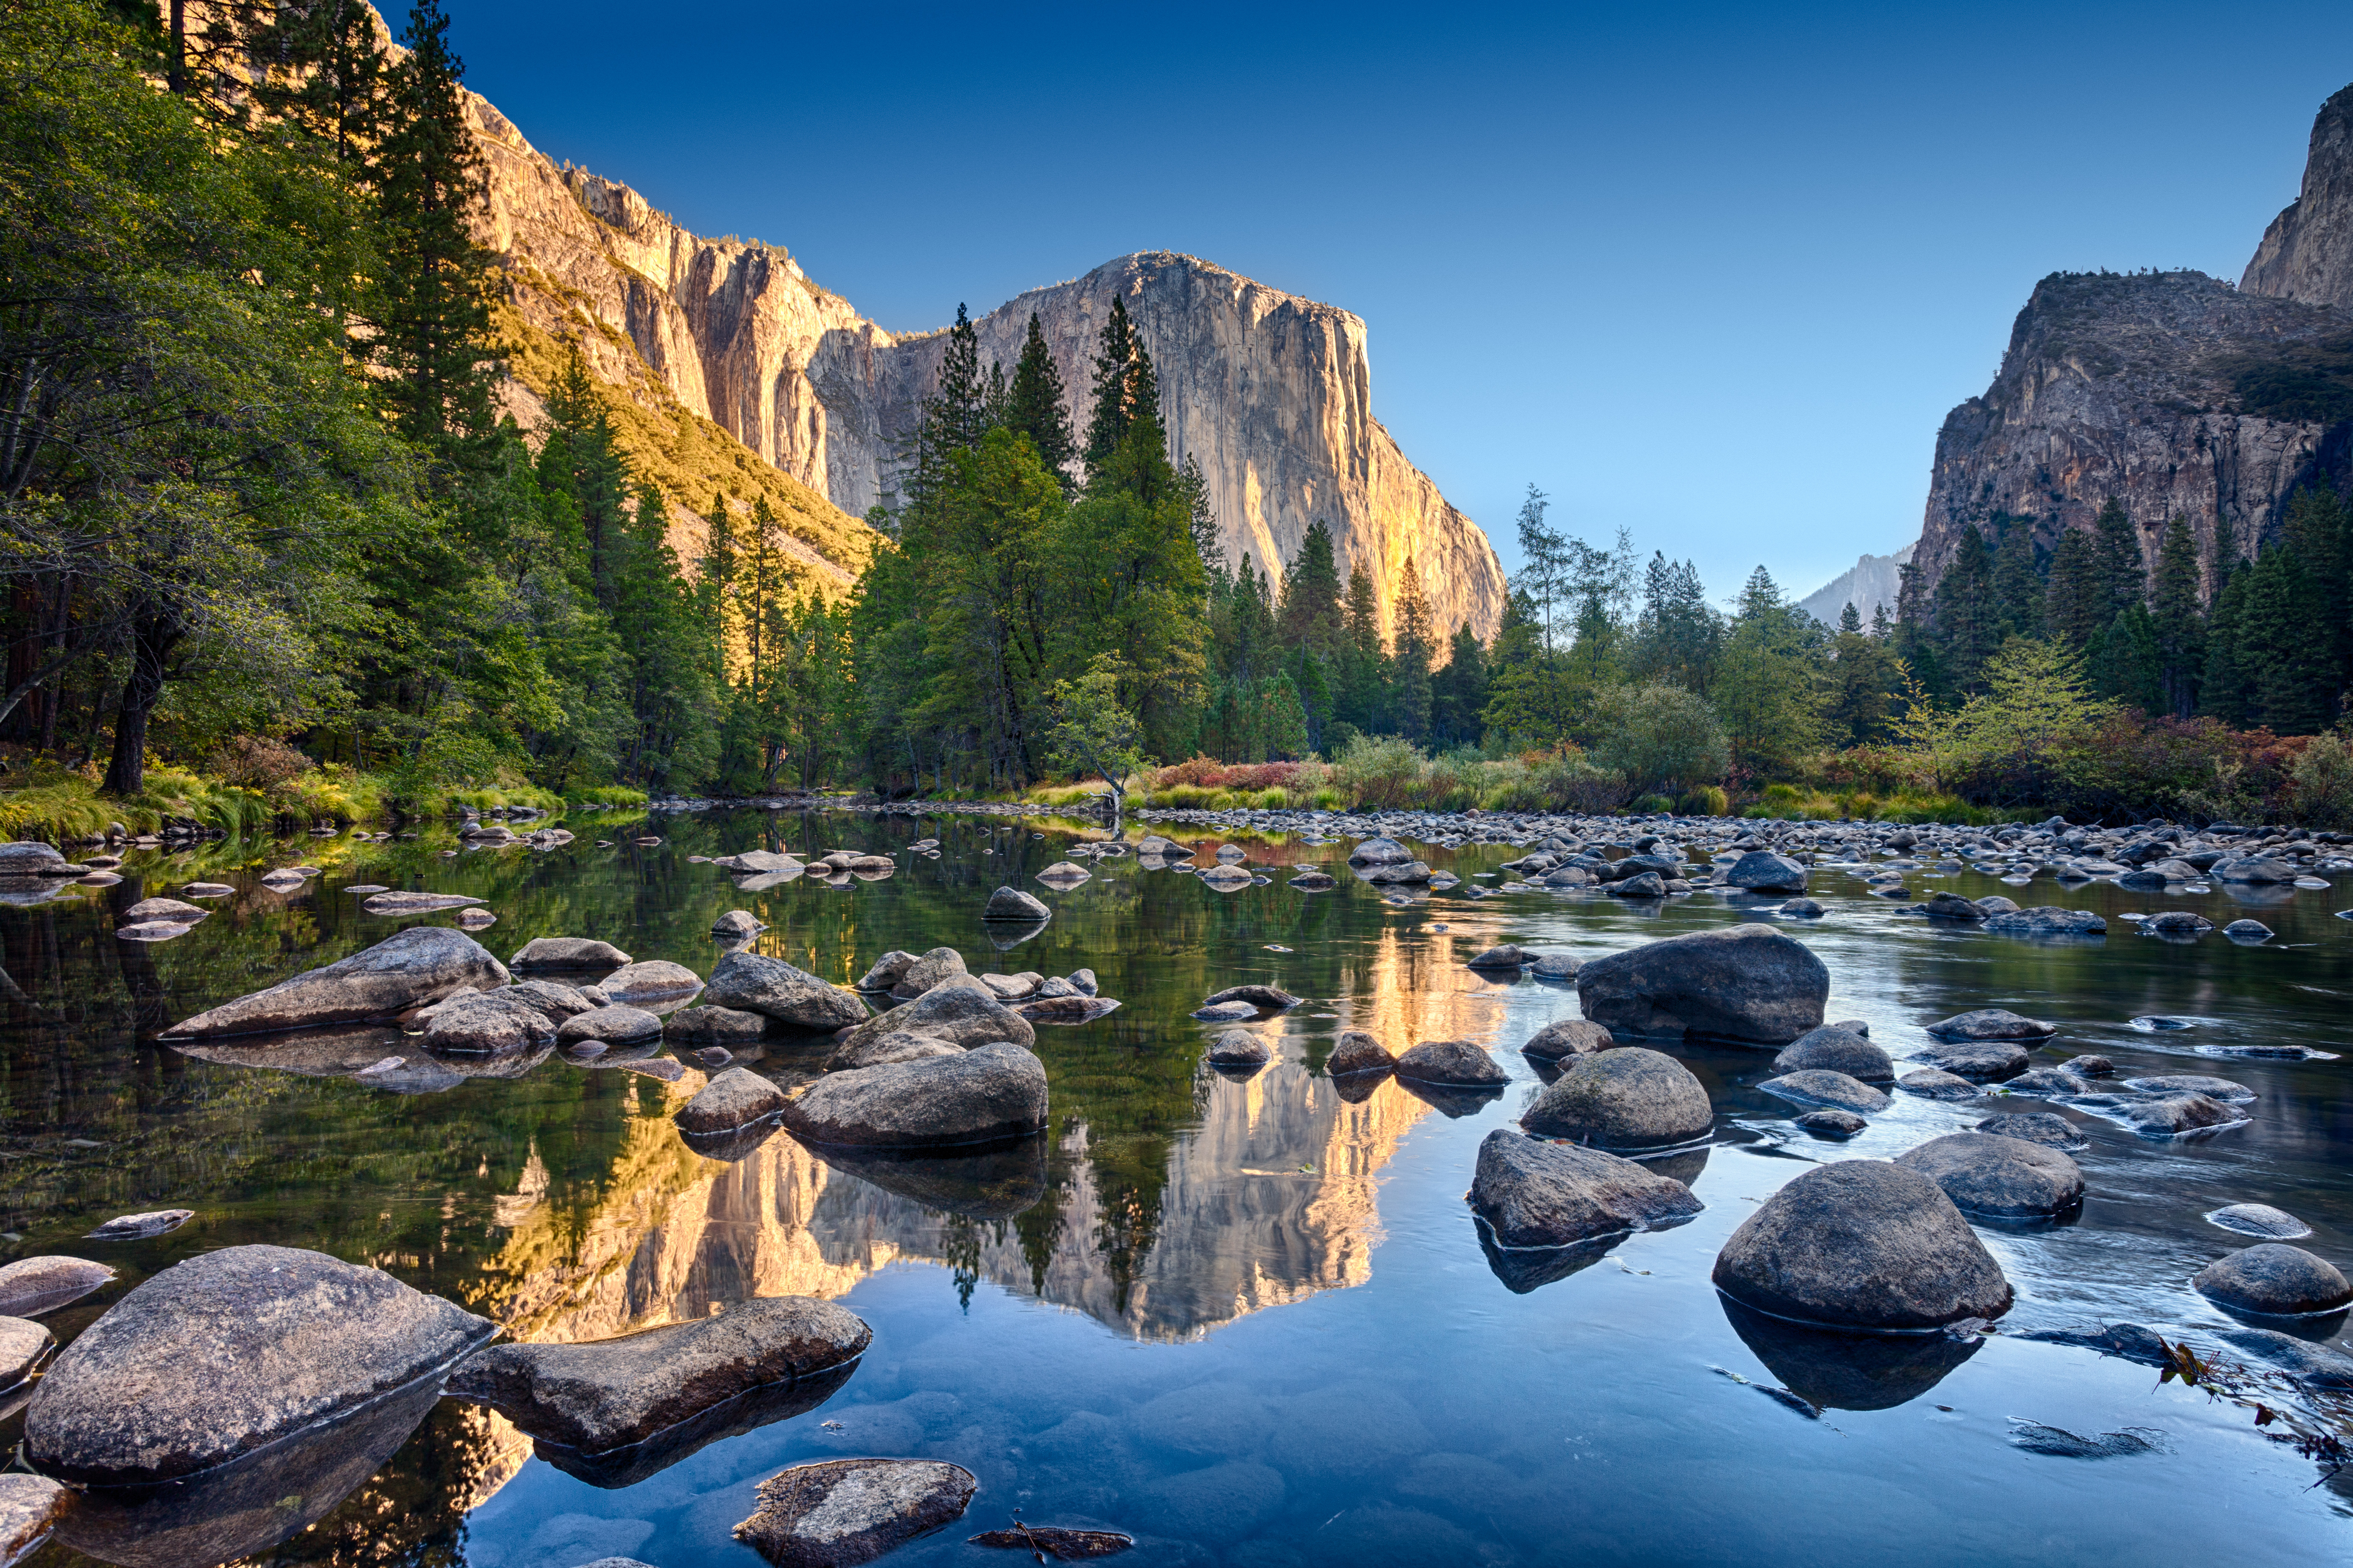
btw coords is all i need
(1708, 800)
(1660, 735)
(2320, 783)
(257, 761)
(1651, 805)
(1383, 775)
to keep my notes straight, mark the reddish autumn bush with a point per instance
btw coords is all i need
(1208, 773)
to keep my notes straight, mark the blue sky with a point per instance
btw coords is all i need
(1711, 274)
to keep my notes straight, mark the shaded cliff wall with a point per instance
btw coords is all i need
(2307, 252)
(1269, 392)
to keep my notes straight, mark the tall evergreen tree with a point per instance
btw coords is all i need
(1459, 691)
(1410, 656)
(1037, 406)
(2017, 585)
(2076, 602)
(1115, 354)
(2180, 620)
(2119, 567)
(1312, 615)
(1969, 620)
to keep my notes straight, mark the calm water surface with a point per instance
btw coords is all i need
(1250, 1321)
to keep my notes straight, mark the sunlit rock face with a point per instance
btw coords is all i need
(1272, 394)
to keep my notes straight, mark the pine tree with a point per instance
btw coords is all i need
(1970, 619)
(2225, 689)
(1459, 691)
(1193, 486)
(433, 337)
(1410, 659)
(1114, 401)
(2075, 601)
(2017, 586)
(1360, 697)
(958, 413)
(1311, 615)
(2120, 571)
(2178, 619)
(1037, 406)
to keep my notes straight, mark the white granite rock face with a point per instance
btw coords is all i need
(1273, 394)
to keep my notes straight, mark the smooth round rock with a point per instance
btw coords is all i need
(1508, 958)
(963, 1011)
(615, 1024)
(1992, 1023)
(843, 1511)
(2247, 930)
(1832, 1048)
(727, 1025)
(1554, 965)
(1997, 1177)
(1934, 1083)
(1239, 1048)
(2259, 1219)
(734, 1098)
(1831, 1123)
(1011, 905)
(2222, 1088)
(753, 982)
(989, 1092)
(1862, 1244)
(1357, 1052)
(1535, 1194)
(1818, 1086)
(880, 1050)
(2164, 1115)
(1975, 1058)
(23, 1343)
(737, 925)
(928, 972)
(1624, 1101)
(1567, 1038)
(1762, 871)
(652, 978)
(1451, 1062)
(1747, 982)
(418, 967)
(2272, 1280)
(2044, 1127)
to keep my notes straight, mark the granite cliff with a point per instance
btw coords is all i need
(2175, 393)
(1269, 392)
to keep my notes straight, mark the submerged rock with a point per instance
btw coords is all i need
(2163, 1115)
(228, 1351)
(2259, 1219)
(140, 1226)
(1626, 1100)
(2272, 1279)
(2048, 920)
(1862, 1244)
(1831, 1123)
(991, 1092)
(1975, 1058)
(1225, 1012)
(406, 904)
(1272, 998)
(844, 1512)
(1456, 1063)
(1998, 1177)
(1567, 1038)
(613, 1393)
(2044, 1127)
(1535, 1194)
(419, 965)
(2222, 1088)
(1747, 983)
(1358, 1052)
(1819, 1086)
(1507, 958)
(2309, 1364)
(751, 983)
(1834, 1048)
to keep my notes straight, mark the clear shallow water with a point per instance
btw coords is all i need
(1250, 1321)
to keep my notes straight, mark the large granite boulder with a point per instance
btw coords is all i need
(1238, 1050)
(729, 1103)
(2270, 1280)
(1984, 1060)
(1567, 1038)
(611, 1394)
(885, 971)
(880, 1050)
(1747, 982)
(650, 979)
(421, 965)
(229, 1352)
(1380, 852)
(1535, 1194)
(752, 982)
(1762, 871)
(30, 1506)
(720, 1025)
(991, 1092)
(24, 1346)
(616, 1026)
(1999, 1177)
(1834, 1050)
(492, 1021)
(2260, 870)
(941, 963)
(1626, 1100)
(1358, 1052)
(1454, 1063)
(1862, 1244)
(963, 1011)
(843, 1511)
(563, 953)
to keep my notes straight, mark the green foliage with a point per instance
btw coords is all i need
(1092, 728)
(2320, 783)
(1660, 735)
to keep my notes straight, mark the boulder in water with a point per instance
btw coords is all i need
(886, 970)
(728, 1025)
(1453, 1063)
(1272, 998)
(752, 982)
(2044, 1127)
(419, 965)
(652, 979)
(610, 1393)
(1862, 1244)
(1975, 1058)
(1508, 958)
(990, 1092)
(1625, 1101)
(961, 1011)
(1011, 905)
(1934, 1083)
(489, 1021)
(1239, 1048)
(1992, 1023)
(1831, 1123)
(1763, 871)
(733, 1100)
(880, 1050)
(2259, 1219)
(229, 1352)
(737, 925)
(938, 965)
(1834, 1048)
(1998, 1177)
(1535, 1194)
(2047, 920)
(843, 1511)
(1567, 1038)
(32, 1286)
(2270, 1280)
(615, 1025)
(1747, 982)
(1819, 1086)
(1379, 852)
(1358, 1052)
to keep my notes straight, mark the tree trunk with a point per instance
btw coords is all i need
(150, 640)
